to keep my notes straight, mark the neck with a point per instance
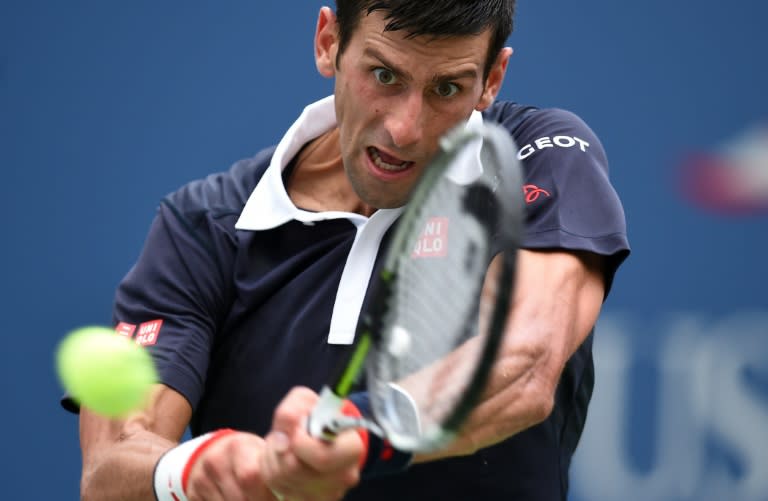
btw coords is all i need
(319, 183)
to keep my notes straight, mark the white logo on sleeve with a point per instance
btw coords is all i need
(550, 142)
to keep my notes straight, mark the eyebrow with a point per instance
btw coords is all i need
(371, 52)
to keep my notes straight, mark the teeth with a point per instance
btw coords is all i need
(384, 165)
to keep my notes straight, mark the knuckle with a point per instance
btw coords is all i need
(247, 477)
(197, 490)
(352, 478)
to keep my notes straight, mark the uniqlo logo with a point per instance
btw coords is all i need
(125, 329)
(148, 332)
(433, 241)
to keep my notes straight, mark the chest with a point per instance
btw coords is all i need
(275, 335)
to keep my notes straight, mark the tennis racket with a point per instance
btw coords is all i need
(428, 338)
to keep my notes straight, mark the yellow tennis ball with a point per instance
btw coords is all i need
(104, 371)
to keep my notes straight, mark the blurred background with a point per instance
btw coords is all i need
(106, 106)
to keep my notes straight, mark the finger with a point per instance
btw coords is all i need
(293, 410)
(301, 480)
(292, 479)
(247, 468)
(344, 452)
(202, 485)
(298, 466)
(281, 468)
(223, 484)
(204, 490)
(228, 470)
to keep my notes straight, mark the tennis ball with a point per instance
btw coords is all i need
(104, 371)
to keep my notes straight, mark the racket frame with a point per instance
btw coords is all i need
(326, 420)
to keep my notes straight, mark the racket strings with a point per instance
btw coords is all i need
(436, 295)
(443, 323)
(435, 303)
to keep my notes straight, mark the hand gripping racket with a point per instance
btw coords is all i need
(428, 339)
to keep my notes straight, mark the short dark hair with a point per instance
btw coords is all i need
(438, 18)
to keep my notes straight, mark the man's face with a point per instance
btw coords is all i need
(396, 96)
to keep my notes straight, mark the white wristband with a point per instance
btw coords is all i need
(171, 471)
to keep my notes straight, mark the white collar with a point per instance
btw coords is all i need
(269, 205)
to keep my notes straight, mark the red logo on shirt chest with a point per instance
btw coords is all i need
(533, 192)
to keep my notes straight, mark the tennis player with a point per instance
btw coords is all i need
(251, 281)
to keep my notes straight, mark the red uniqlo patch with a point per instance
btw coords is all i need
(148, 332)
(125, 329)
(433, 241)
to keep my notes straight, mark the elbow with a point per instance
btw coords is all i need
(524, 401)
(540, 401)
(531, 388)
(539, 392)
(530, 406)
(534, 392)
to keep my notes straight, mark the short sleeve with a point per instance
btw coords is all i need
(570, 201)
(180, 280)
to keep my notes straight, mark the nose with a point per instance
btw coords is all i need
(405, 120)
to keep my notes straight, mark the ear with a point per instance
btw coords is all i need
(495, 79)
(326, 42)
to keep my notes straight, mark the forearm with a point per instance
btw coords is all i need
(556, 304)
(124, 472)
(514, 400)
(119, 456)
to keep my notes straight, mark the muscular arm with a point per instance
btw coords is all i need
(557, 299)
(119, 455)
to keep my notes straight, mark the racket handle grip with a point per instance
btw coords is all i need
(332, 415)
(380, 457)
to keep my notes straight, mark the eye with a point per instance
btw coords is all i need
(384, 76)
(446, 89)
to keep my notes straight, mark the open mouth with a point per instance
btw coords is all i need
(387, 162)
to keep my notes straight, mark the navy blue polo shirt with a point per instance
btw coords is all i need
(241, 296)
